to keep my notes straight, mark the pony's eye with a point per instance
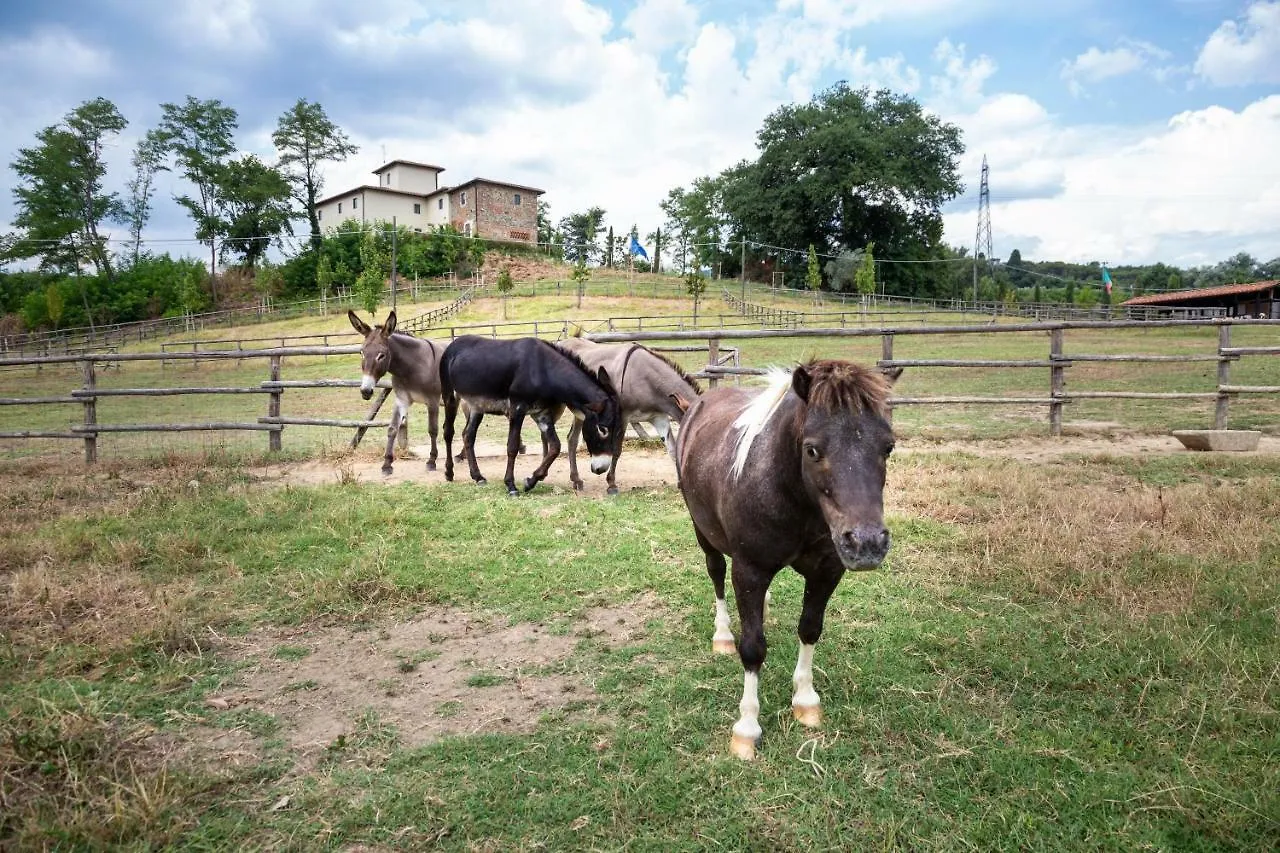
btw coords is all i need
(812, 452)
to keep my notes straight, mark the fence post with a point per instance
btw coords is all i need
(90, 413)
(713, 359)
(886, 354)
(273, 407)
(1057, 381)
(1224, 378)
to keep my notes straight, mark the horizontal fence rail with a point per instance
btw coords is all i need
(723, 362)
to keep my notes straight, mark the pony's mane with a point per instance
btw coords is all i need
(836, 385)
(573, 357)
(692, 383)
(833, 385)
(757, 413)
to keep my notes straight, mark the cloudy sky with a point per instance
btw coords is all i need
(1119, 131)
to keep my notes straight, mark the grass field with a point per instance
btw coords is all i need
(1080, 654)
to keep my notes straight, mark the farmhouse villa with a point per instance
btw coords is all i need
(411, 192)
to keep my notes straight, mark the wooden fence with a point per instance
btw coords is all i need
(722, 362)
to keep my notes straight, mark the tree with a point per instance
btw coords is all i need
(54, 304)
(253, 205)
(848, 168)
(656, 238)
(813, 273)
(60, 198)
(148, 158)
(695, 285)
(198, 135)
(324, 275)
(581, 235)
(505, 285)
(580, 275)
(375, 265)
(865, 277)
(608, 249)
(305, 138)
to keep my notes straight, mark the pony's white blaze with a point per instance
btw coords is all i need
(746, 732)
(756, 416)
(805, 705)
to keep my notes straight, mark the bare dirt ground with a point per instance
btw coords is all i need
(443, 672)
(652, 468)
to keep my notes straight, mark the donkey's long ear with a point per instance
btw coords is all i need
(800, 382)
(360, 325)
(894, 374)
(681, 403)
(603, 376)
(389, 326)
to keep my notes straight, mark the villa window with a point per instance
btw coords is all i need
(462, 199)
(515, 199)
(355, 203)
(417, 208)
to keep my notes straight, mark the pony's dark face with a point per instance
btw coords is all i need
(843, 459)
(375, 354)
(602, 427)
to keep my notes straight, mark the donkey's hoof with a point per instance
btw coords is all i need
(723, 647)
(522, 449)
(448, 476)
(513, 493)
(808, 715)
(461, 457)
(743, 747)
(577, 485)
(386, 470)
(529, 483)
(431, 466)
(481, 481)
(612, 491)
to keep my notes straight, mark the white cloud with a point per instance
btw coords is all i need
(961, 82)
(1096, 65)
(661, 24)
(1241, 54)
(859, 13)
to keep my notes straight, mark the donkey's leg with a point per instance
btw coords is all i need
(450, 412)
(575, 430)
(819, 584)
(402, 435)
(433, 424)
(551, 448)
(749, 585)
(469, 445)
(722, 639)
(393, 430)
(513, 446)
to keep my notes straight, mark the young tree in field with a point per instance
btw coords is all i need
(253, 204)
(305, 139)
(198, 135)
(373, 277)
(324, 275)
(505, 285)
(695, 285)
(865, 278)
(148, 158)
(580, 275)
(60, 200)
(813, 274)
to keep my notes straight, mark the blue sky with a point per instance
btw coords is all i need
(1121, 131)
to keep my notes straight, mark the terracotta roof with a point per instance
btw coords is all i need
(367, 187)
(500, 184)
(390, 163)
(1202, 293)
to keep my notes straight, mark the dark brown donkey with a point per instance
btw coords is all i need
(791, 476)
(414, 365)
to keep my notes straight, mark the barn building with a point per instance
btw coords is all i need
(1259, 299)
(411, 192)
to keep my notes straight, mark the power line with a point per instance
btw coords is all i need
(982, 240)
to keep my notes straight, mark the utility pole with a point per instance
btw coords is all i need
(742, 274)
(394, 229)
(982, 240)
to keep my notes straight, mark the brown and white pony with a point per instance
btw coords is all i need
(794, 476)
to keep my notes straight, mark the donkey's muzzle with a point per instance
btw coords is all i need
(862, 547)
(366, 393)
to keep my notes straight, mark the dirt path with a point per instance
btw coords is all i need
(648, 468)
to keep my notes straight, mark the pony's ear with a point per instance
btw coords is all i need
(603, 376)
(681, 403)
(800, 382)
(359, 325)
(893, 375)
(389, 326)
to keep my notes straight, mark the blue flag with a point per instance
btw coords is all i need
(637, 249)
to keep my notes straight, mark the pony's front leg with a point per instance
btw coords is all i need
(551, 448)
(575, 430)
(393, 430)
(513, 446)
(433, 424)
(749, 586)
(474, 417)
(806, 707)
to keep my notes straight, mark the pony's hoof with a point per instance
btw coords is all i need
(743, 747)
(723, 647)
(513, 493)
(448, 476)
(612, 491)
(481, 481)
(431, 466)
(808, 715)
(522, 449)
(577, 485)
(529, 483)
(386, 470)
